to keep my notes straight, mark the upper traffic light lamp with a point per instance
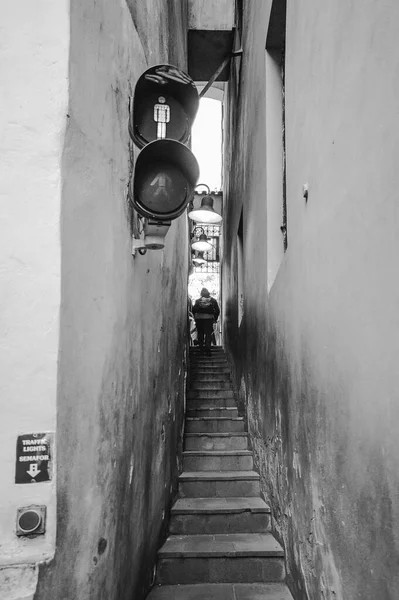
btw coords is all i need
(164, 106)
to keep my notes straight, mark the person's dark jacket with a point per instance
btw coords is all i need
(206, 307)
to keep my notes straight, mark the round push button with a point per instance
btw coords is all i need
(29, 521)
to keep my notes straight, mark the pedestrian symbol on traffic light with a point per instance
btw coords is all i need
(161, 117)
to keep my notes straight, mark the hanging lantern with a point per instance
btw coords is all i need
(206, 212)
(199, 259)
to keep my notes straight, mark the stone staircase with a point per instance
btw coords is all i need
(220, 546)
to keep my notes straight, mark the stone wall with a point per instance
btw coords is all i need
(315, 357)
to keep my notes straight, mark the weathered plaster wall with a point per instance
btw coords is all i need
(317, 358)
(206, 14)
(123, 321)
(34, 50)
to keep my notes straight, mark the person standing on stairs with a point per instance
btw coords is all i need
(206, 313)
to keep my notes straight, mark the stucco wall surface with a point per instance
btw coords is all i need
(34, 51)
(209, 15)
(123, 321)
(316, 358)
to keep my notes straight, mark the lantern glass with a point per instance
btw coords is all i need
(206, 212)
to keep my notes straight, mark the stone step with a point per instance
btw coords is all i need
(216, 441)
(206, 380)
(193, 403)
(221, 591)
(214, 425)
(215, 353)
(220, 558)
(212, 357)
(215, 347)
(198, 350)
(217, 460)
(210, 385)
(205, 375)
(218, 370)
(210, 393)
(212, 411)
(209, 361)
(219, 515)
(218, 484)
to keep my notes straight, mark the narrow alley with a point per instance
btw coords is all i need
(199, 300)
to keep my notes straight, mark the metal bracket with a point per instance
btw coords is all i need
(138, 246)
(219, 70)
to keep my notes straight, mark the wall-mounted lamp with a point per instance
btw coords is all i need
(199, 259)
(206, 212)
(201, 244)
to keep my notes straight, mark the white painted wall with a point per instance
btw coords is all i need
(208, 14)
(34, 48)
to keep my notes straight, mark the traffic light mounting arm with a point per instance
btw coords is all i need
(219, 70)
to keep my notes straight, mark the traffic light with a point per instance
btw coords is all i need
(166, 171)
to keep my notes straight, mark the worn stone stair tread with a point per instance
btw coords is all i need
(210, 386)
(194, 360)
(208, 372)
(188, 506)
(210, 393)
(211, 409)
(215, 408)
(196, 369)
(205, 378)
(212, 355)
(209, 383)
(214, 352)
(218, 475)
(217, 361)
(198, 404)
(211, 366)
(214, 418)
(221, 434)
(215, 348)
(202, 403)
(210, 380)
(201, 384)
(196, 350)
(217, 453)
(217, 357)
(195, 382)
(221, 591)
(221, 545)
